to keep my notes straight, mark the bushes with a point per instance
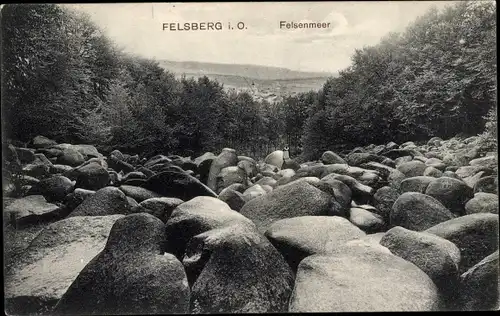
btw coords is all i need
(438, 78)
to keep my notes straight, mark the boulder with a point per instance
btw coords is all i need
(76, 197)
(92, 177)
(158, 159)
(395, 178)
(237, 270)
(120, 165)
(31, 209)
(25, 155)
(417, 211)
(396, 153)
(383, 200)
(435, 141)
(233, 198)
(341, 193)
(436, 163)
(30, 181)
(476, 235)
(37, 171)
(487, 185)
(145, 171)
(196, 216)
(132, 204)
(295, 239)
(361, 279)
(437, 257)
(391, 145)
(432, 172)
(88, 151)
(468, 171)
(54, 188)
(106, 201)
(161, 207)
(416, 184)
(286, 201)
(70, 157)
(400, 160)
(59, 169)
(452, 193)
(367, 221)
(177, 184)
(267, 181)
(53, 261)
(360, 192)
(249, 167)
(131, 275)
(275, 158)
(42, 142)
(490, 162)
(412, 168)
(329, 157)
(237, 187)
(479, 285)
(384, 170)
(290, 164)
(134, 175)
(482, 203)
(230, 175)
(450, 174)
(254, 191)
(227, 158)
(137, 193)
(472, 180)
(357, 159)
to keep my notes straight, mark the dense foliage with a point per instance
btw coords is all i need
(438, 78)
(63, 78)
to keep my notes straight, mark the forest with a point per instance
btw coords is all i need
(65, 79)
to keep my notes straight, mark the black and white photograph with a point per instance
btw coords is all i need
(249, 157)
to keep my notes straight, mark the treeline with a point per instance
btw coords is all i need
(66, 80)
(438, 78)
(63, 78)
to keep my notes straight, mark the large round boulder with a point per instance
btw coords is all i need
(295, 239)
(417, 211)
(196, 216)
(132, 274)
(291, 200)
(479, 285)
(161, 207)
(235, 269)
(177, 184)
(482, 203)
(436, 256)
(106, 201)
(329, 157)
(70, 157)
(476, 236)
(383, 200)
(452, 193)
(227, 158)
(361, 279)
(416, 184)
(92, 176)
(52, 261)
(412, 168)
(54, 188)
(137, 193)
(275, 158)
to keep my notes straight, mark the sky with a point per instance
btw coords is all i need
(138, 29)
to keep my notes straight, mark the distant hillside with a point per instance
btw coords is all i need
(248, 71)
(262, 82)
